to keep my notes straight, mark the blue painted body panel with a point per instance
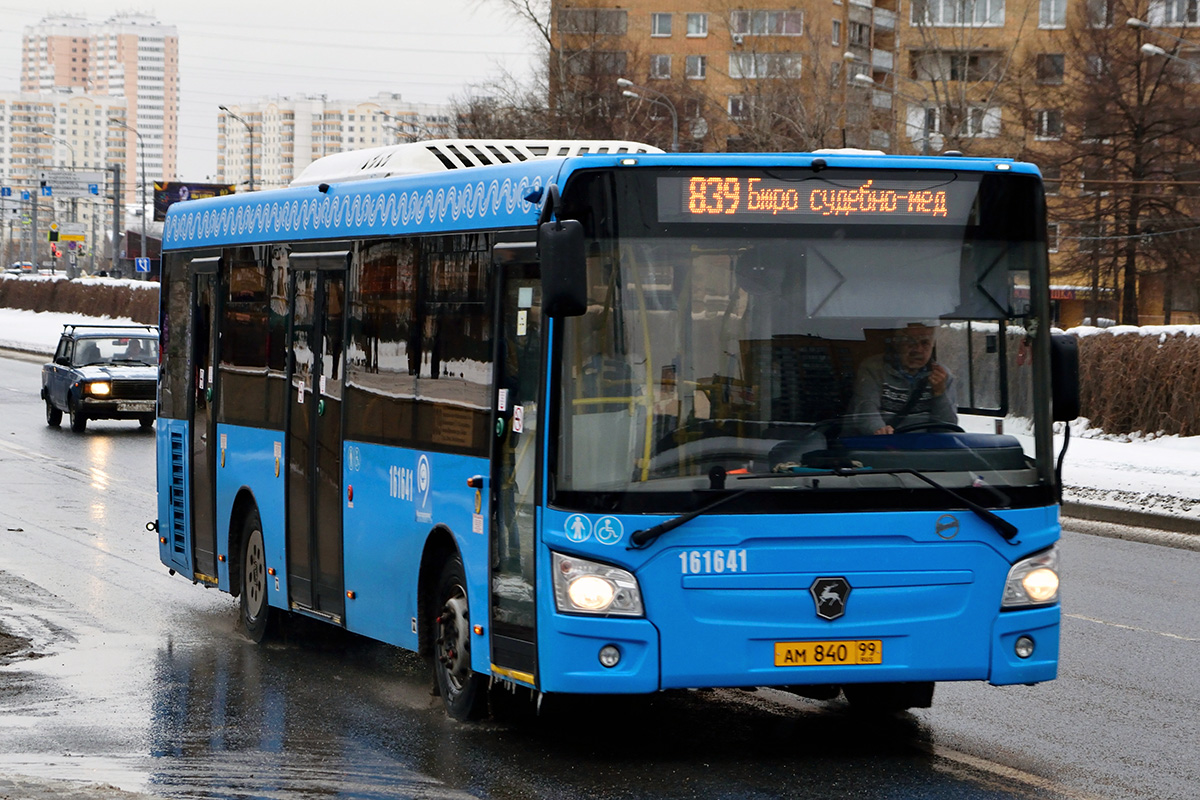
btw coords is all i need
(933, 603)
(247, 464)
(386, 527)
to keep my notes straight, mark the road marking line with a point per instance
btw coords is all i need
(1007, 773)
(1132, 628)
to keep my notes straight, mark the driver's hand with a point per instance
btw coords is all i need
(886, 429)
(937, 379)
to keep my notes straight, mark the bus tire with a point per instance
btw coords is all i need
(256, 614)
(888, 698)
(463, 692)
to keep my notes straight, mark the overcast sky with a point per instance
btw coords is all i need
(240, 50)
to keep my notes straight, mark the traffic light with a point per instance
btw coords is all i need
(54, 251)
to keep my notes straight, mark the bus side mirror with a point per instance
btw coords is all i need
(564, 268)
(1064, 377)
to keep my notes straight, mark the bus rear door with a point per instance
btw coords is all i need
(316, 579)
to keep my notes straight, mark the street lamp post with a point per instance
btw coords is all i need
(141, 182)
(250, 136)
(654, 96)
(866, 80)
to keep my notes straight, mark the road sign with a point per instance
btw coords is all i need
(72, 182)
(72, 232)
(5, 191)
(141, 264)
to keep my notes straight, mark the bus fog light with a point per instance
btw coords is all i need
(610, 656)
(1024, 647)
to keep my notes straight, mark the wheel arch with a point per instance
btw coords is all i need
(439, 546)
(244, 505)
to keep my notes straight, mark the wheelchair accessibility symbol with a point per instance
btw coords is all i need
(609, 530)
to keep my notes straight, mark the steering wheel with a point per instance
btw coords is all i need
(930, 426)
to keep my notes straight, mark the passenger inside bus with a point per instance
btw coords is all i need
(904, 387)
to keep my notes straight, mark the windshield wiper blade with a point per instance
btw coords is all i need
(1006, 529)
(640, 538)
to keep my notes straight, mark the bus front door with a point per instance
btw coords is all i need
(203, 474)
(514, 474)
(314, 479)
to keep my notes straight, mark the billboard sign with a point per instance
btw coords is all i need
(168, 193)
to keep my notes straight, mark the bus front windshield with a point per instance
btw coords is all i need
(773, 354)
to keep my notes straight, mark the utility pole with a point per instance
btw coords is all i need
(116, 200)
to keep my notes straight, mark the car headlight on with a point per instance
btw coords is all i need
(1032, 581)
(99, 388)
(588, 587)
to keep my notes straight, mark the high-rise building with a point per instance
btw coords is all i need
(131, 56)
(290, 133)
(57, 130)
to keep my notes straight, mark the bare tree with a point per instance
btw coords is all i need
(1122, 126)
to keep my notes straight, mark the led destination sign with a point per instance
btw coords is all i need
(752, 199)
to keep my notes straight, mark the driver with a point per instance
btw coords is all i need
(904, 385)
(134, 350)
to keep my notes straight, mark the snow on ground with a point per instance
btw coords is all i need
(1147, 473)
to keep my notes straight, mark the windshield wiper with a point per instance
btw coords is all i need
(1002, 526)
(640, 538)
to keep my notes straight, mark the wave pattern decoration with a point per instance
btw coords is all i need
(355, 213)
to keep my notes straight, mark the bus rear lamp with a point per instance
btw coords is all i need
(610, 656)
(588, 587)
(1032, 581)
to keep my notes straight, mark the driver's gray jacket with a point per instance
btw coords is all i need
(882, 390)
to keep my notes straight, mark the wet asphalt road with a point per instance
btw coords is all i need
(141, 680)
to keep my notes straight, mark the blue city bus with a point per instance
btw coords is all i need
(589, 418)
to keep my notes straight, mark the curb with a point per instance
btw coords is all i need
(1136, 519)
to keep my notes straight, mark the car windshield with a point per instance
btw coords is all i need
(786, 351)
(93, 350)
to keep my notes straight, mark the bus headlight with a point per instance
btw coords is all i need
(1032, 581)
(99, 388)
(588, 587)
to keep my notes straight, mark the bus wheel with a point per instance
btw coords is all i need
(53, 415)
(256, 614)
(463, 691)
(887, 698)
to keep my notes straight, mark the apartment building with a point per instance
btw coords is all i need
(132, 56)
(58, 129)
(994, 78)
(289, 133)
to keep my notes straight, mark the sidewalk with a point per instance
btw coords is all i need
(1148, 482)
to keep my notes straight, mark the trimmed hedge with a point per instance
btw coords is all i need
(1141, 380)
(91, 297)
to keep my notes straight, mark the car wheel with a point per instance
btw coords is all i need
(53, 415)
(146, 422)
(256, 613)
(78, 419)
(463, 692)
